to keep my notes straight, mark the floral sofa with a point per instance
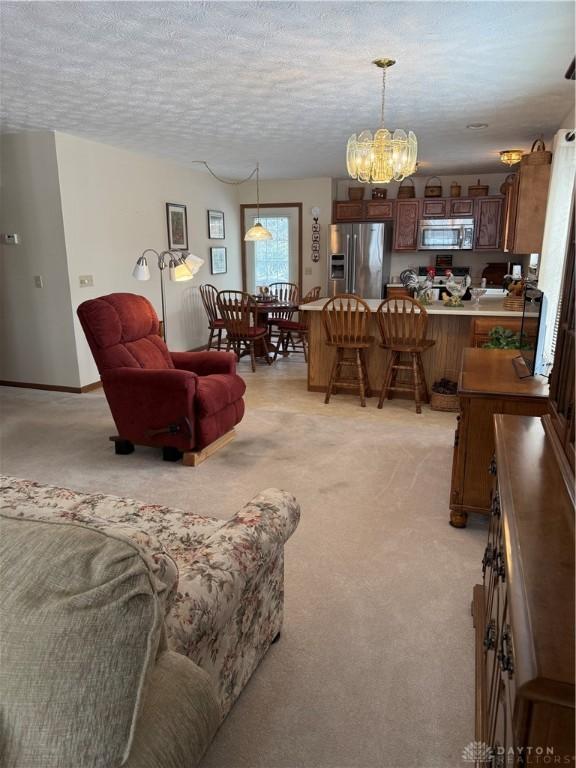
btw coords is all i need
(219, 583)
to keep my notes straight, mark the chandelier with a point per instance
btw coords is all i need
(511, 156)
(385, 156)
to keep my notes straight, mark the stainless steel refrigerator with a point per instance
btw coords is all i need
(359, 260)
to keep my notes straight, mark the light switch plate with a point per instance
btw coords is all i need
(86, 281)
(38, 282)
(307, 270)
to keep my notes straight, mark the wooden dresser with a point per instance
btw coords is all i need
(488, 385)
(524, 609)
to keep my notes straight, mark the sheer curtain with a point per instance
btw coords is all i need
(555, 242)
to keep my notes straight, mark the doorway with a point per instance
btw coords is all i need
(277, 260)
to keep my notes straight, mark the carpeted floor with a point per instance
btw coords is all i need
(375, 667)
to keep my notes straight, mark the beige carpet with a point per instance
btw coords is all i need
(375, 668)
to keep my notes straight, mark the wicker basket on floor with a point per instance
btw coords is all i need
(441, 402)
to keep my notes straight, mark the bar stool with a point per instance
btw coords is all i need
(403, 322)
(346, 321)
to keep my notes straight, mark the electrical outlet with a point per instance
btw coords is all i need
(38, 282)
(86, 281)
(9, 239)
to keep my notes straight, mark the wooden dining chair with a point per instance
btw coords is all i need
(209, 294)
(403, 322)
(346, 320)
(238, 311)
(295, 332)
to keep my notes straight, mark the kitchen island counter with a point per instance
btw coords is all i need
(451, 328)
(489, 307)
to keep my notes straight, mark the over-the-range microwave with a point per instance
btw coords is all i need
(442, 234)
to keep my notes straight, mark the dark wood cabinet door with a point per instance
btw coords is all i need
(348, 211)
(434, 209)
(406, 226)
(488, 223)
(379, 210)
(460, 207)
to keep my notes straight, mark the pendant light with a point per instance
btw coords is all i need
(385, 156)
(257, 232)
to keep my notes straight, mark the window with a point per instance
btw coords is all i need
(272, 257)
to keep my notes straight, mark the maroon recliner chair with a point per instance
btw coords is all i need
(186, 403)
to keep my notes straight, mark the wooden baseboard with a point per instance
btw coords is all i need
(193, 458)
(52, 387)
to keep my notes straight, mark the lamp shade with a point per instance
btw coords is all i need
(257, 232)
(141, 270)
(179, 270)
(193, 263)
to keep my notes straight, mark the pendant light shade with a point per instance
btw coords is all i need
(511, 156)
(178, 270)
(257, 232)
(385, 156)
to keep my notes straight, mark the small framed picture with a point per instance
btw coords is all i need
(216, 225)
(218, 261)
(177, 223)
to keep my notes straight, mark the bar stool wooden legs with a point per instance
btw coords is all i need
(402, 322)
(416, 371)
(358, 376)
(346, 320)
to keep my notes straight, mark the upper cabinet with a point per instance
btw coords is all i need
(488, 227)
(434, 209)
(406, 227)
(460, 208)
(363, 210)
(348, 211)
(525, 209)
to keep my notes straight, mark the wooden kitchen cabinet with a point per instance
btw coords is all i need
(525, 209)
(523, 611)
(348, 211)
(379, 210)
(488, 385)
(434, 208)
(406, 224)
(460, 208)
(488, 229)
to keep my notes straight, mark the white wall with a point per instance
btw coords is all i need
(316, 192)
(36, 333)
(113, 205)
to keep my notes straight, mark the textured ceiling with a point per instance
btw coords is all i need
(288, 82)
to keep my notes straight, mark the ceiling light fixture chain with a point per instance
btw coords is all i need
(383, 96)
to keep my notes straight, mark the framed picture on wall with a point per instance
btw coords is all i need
(218, 264)
(177, 223)
(216, 225)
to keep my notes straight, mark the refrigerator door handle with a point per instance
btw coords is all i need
(348, 263)
(354, 267)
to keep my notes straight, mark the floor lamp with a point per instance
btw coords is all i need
(180, 269)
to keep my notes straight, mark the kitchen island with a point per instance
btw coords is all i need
(452, 329)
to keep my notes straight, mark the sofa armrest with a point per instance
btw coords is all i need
(144, 400)
(234, 555)
(205, 363)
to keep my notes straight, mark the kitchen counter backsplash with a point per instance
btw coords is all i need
(476, 260)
